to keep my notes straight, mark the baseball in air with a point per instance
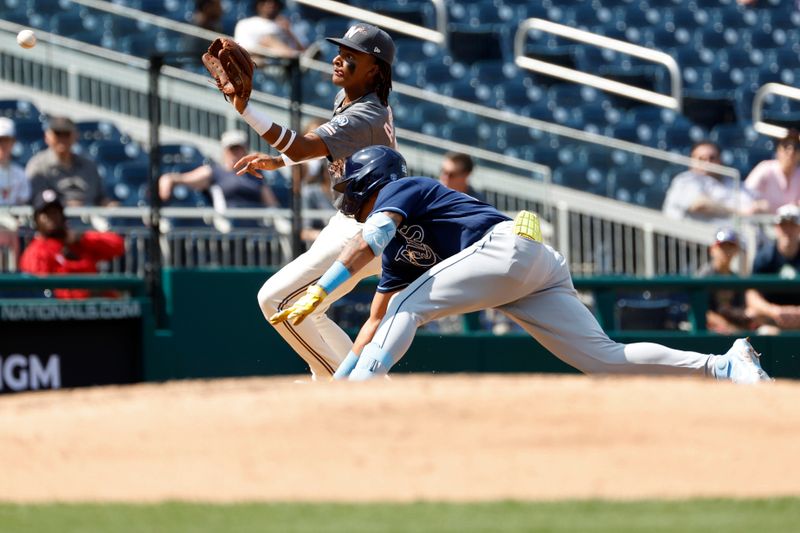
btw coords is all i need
(26, 39)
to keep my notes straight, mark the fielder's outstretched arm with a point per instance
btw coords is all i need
(293, 147)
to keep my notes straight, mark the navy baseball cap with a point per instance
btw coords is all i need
(45, 199)
(728, 235)
(369, 39)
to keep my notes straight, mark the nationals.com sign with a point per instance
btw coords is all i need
(52, 344)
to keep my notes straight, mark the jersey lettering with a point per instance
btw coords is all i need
(415, 251)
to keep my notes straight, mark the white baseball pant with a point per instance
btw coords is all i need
(318, 340)
(530, 282)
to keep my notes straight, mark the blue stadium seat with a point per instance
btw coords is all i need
(512, 137)
(107, 154)
(462, 133)
(576, 176)
(469, 44)
(678, 137)
(651, 196)
(596, 157)
(145, 44)
(461, 89)
(332, 27)
(538, 110)
(729, 136)
(90, 131)
(17, 108)
(174, 154)
(134, 172)
(414, 13)
(514, 95)
(433, 74)
(29, 129)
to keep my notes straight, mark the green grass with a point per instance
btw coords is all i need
(778, 515)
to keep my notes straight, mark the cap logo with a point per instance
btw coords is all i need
(49, 195)
(352, 32)
(376, 50)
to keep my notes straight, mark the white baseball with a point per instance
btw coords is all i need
(26, 39)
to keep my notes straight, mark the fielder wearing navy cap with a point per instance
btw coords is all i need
(369, 39)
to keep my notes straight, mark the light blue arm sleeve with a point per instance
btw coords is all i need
(378, 230)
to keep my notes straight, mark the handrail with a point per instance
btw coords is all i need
(758, 106)
(438, 36)
(672, 102)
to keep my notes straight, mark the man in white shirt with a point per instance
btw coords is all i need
(268, 29)
(705, 196)
(15, 189)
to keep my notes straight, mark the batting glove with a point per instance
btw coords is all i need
(303, 307)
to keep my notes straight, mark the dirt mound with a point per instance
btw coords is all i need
(455, 437)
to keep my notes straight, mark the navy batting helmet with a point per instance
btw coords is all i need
(367, 171)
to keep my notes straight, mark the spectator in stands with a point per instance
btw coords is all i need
(781, 257)
(268, 29)
(56, 249)
(455, 172)
(74, 177)
(207, 15)
(777, 181)
(706, 196)
(220, 180)
(726, 308)
(15, 189)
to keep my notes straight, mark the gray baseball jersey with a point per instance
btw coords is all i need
(364, 122)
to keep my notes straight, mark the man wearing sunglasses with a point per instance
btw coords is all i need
(74, 177)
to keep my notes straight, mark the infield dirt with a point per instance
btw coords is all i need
(451, 438)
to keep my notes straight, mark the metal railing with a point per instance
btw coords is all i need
(758, 107)
(438, 36)
(624, 89)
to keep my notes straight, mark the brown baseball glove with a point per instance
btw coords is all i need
(231, 67)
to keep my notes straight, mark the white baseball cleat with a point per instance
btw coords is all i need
(741, 364)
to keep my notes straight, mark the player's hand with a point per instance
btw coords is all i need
(252, 163)
(303, 307)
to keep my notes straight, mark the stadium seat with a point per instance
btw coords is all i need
(512, 137)
(576, 175)
(463, 134)
(185, 154)
(433, 74)
(469, 44)
(461, 90)
(413, 13)
(107, 154)
(17, 108)
(29, 129)
(90, 131)
(332, 27)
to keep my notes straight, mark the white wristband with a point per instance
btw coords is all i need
(258, 121)
(288, 143)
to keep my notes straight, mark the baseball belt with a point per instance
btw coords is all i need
(526, 225)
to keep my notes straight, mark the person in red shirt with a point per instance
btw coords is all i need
(56, 249)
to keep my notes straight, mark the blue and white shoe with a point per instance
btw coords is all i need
(741, 364)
